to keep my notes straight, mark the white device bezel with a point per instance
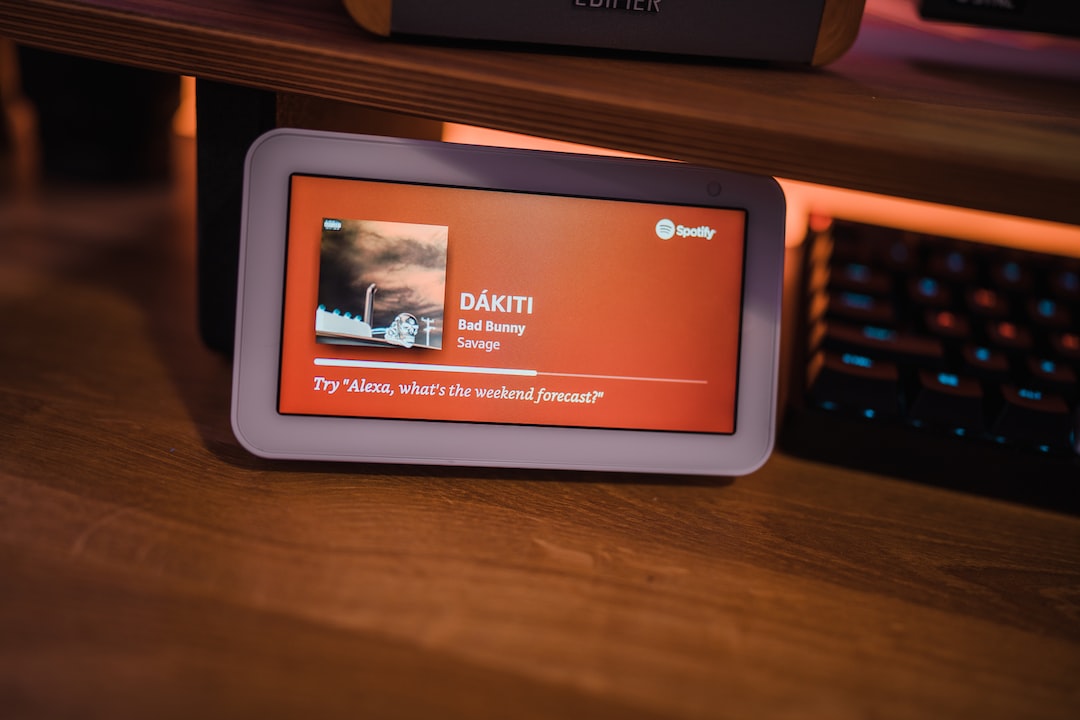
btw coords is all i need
(259, 427)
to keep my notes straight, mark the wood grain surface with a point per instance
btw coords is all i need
(840, 20)
(149, 567)
(994, 126)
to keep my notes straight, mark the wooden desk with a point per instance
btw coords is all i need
(995, 127)
(149, 567)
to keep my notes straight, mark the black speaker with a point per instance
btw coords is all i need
(793, 31)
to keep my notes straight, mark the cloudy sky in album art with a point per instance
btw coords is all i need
(406, 261)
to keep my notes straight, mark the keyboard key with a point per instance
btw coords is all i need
(861, 278)
(952, 265)
(1067, 346)
(1010, 275)
(1049, 313)
(1053, 376)
(1009, 336)
(987, 303)
(986, 363)
(884, 344)
(928, 291)
(860, 307)
(947, 401)
(900, 254)
(1065, 283)
(1033, 417)
(947, 324)
(855, 383)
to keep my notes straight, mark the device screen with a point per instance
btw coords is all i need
(444, 303)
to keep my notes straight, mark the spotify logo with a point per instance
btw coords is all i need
(665, 229)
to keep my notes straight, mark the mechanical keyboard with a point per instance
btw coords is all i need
(940, 360)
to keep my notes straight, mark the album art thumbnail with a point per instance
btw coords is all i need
(381, 284)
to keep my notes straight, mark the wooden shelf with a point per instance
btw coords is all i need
(905, 112)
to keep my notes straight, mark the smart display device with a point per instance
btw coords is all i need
(406, 301)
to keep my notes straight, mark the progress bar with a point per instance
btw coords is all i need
(471, 369)
(376, 365)
(626, 377)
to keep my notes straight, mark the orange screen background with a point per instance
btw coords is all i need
(648, 328)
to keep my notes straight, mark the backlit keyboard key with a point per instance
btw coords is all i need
(858, 276)
(1065, 283)
(1033, 417)
(1053, 376)
(928, 291)
(884, 343)
(1067, 345)
(1010, 275)
(986, 363)
(947, 401)
(860, 307)
(1009, 336)
(947, 324)
(900, 254)
(952, 265)
(1049, 313)
(987, 303)
(855, 383)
